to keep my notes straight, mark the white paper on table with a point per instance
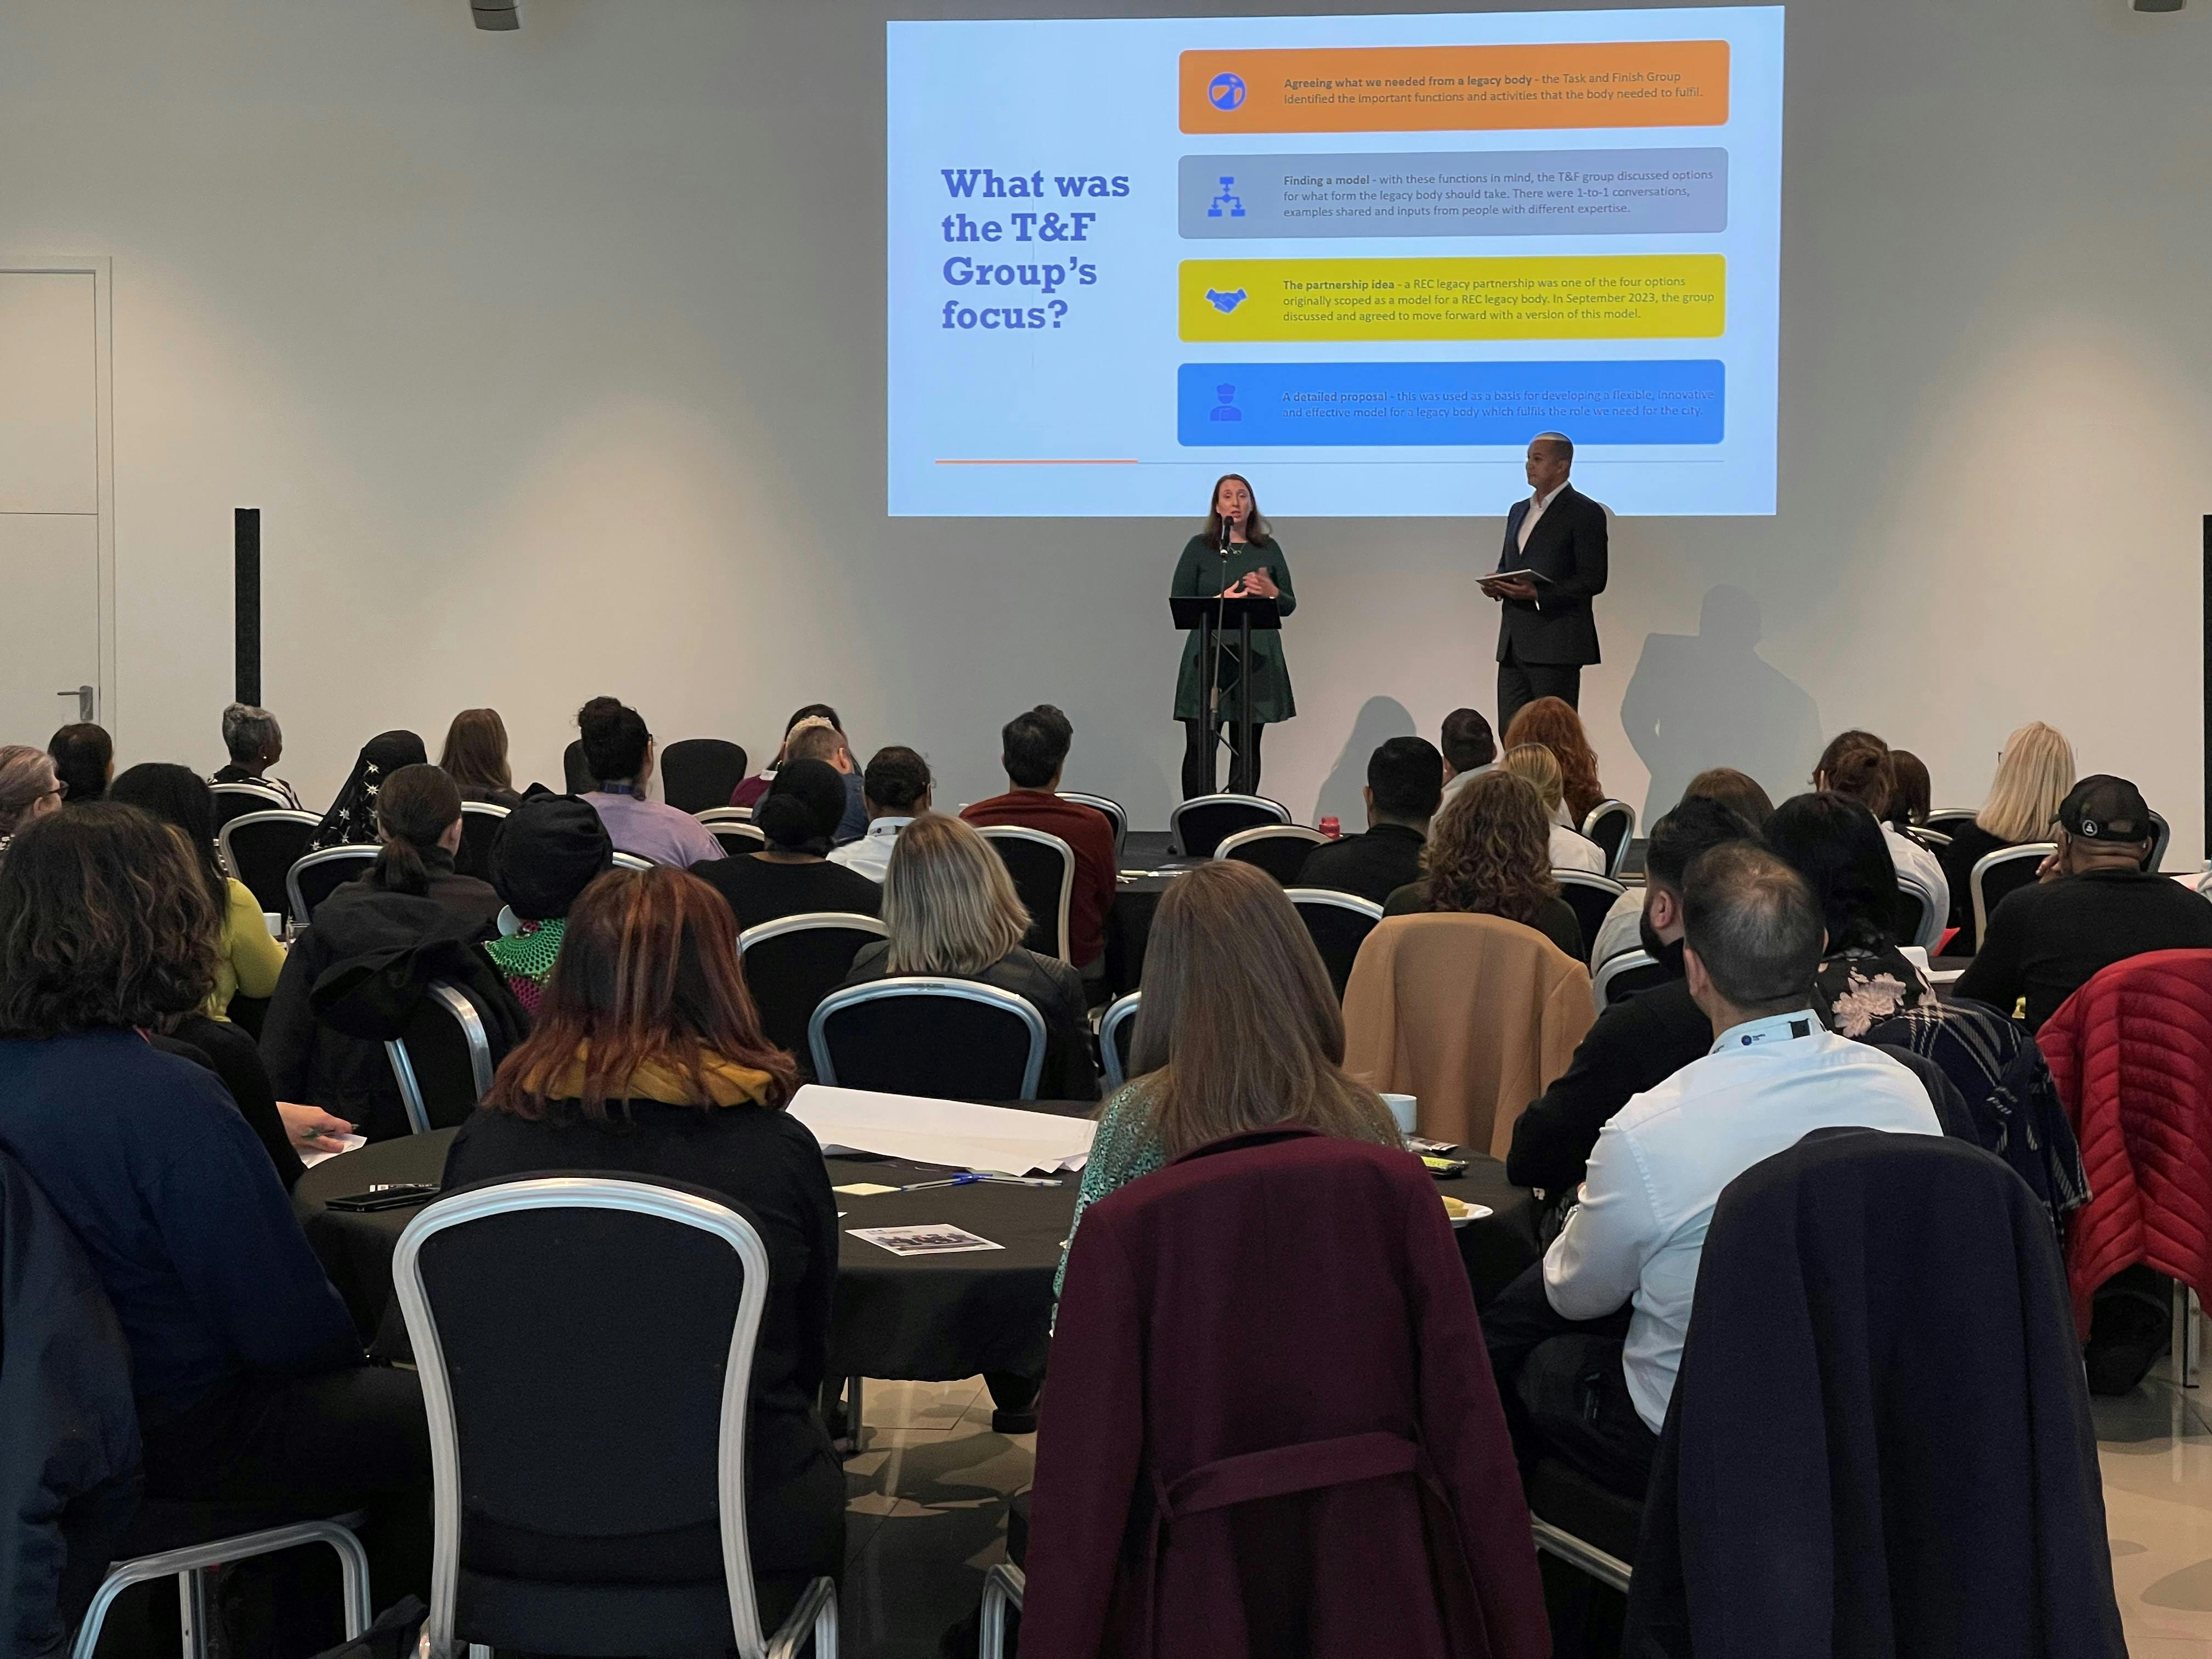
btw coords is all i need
(988, 1139)
(311, 1159)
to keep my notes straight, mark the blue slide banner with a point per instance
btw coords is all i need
(1370, 406)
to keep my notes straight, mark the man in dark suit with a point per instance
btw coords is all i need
(1545, 632)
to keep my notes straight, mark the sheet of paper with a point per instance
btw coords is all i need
(989, 1140)
(311, 1159)
(864, 1189)
(937, 1240)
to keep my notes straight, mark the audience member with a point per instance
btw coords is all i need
(896, 786)
(1737, 791)
(29, 788)
(1915, 797)
(2035, 768)
(84, 759)
(1468, 747)
(247, 1368)
(409, 897)
(647, 1060)
(952, 912)
(548, 850)
(351, 821)
(1034, 748)
(1489, 854)
(749, 791)
(1552, 722)
(1567, 848)
(1638, 1044)
(1239, 1030)
(618, 753)
(255, 743)
(1586, 1345)
(792, 876)
(247, 960)
(1834, 844)
(1404, 784)
(2094, 905)
(475, 758)
(817, 740)
(1859, 764)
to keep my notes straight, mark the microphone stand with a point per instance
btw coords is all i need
(1213, 664)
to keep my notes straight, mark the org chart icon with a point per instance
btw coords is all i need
(1226, 91)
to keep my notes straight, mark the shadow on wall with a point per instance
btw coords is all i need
(1380, 720)
(1709, 699)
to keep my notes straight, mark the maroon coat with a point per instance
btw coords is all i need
(1271, 1427)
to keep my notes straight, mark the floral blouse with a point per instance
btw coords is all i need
(1855, 989)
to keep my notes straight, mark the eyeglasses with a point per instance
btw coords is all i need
(61, 788)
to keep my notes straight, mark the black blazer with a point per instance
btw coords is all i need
(1567, 546)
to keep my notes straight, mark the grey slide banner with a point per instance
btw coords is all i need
(1517, 192)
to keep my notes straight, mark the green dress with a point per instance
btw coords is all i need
(1201, 573)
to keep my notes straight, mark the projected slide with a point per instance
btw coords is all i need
(1361, 259)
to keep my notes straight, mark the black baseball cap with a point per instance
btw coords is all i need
(2102, 807)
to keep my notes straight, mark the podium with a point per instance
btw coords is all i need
(1216, 620)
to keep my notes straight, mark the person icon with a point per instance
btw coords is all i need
(1225, 92)
(1226, 409)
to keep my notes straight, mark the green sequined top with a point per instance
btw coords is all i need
(1124, 1148)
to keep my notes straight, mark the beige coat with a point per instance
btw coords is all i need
(1473, 1015)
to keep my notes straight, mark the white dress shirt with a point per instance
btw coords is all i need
(1536, 506)
(1572, 850)
(1661, 1163)
(1909, 854)
(1460, 780)
(872, 854)
(1622, 931)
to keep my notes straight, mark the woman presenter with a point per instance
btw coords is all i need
(1234, 556)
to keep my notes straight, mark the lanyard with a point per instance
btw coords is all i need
(1774, 1027)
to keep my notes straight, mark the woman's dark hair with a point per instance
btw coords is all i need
(1916, 790)
(647, 975)
(476, 750)
(896, 778)
(83, 756)
(802, 808)
(1489, 851)
(177, 795)
(1836, 844)
(105, 922)
(1257, 531)
(615, 739)
(1737, 791)
(1859, 764)
(415, 806)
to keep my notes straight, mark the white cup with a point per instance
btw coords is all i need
(274, 921)
(1407, 1109)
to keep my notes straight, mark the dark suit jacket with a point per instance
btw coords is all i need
(1568, 546)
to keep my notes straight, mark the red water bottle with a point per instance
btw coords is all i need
(1332, 829)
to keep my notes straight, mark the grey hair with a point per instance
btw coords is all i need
(1558, 441)
(247, 731)
(1754, 922)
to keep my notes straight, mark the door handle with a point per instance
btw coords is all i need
(86, 695)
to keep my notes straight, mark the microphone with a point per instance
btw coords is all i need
(1228, 525)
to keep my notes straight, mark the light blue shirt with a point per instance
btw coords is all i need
(1660, 1164)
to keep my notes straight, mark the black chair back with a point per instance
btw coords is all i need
(1340, 924)
(315, 875)
(480, 823)
(442, 1060)
(1116, 814)
(261, 848)
(790, 965)
(1590, 897)
(1117, 1038)
(1201, 823)
(2162, 837)
(1995, 875)
(736, 840)
(577, 776)
(1280, 849)
(1043, 870)
(1620, 977)
(1610, 824)
(946, 1039)
(234, 801)
(698, 773)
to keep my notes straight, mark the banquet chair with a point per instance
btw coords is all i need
(1612, 825)
(1117, 1031)
(946, 1039)
(259, 848)
(1280, 850)
(697, 773)
(480, 823)
(733, 826)
(1949, 819)
(1920, 920)
(793, 963)
(1622, 975)
(1116, 815)
(442, 1060)
(592, 1527)
(1042, 866)
(1589, 896)
(631, 861)
(234, 801)
(1997, 874)
(2162, 837)
(1340, 924)
(576, 774)
(1200, 825)
(314, 877)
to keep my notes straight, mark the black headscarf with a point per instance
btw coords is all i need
(352, 820)
(802, 808)
(549, 849)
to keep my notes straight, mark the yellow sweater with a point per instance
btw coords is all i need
(249, 960)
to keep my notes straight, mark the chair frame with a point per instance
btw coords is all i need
(1044, 838)
(1604, 885)
(1619, 962)
(1004, 1586)
(1231, 842)
(485, 809)
(2159, 842)
(1119, 1012)
(448, 997)
(254, 791)
(2039, 849)
(960, 990)
(755, 840)
(761, 933)
(1335, 897)
(278, 813)
(1943, 815)
(817, 1612)
(1555, 1541)
(351, 853)
(1932, 919)
(1619, 854)
(631, 861)
(1175, 812)
(1116, 815)
(189, 1565)
(713, 815)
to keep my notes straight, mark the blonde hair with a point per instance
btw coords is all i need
(948, 900)
(1540, 767)
(2034, 774)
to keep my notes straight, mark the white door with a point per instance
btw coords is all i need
(52, 413)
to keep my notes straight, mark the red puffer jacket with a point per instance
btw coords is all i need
(2131, 1053)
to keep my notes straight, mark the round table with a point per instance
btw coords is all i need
(933, 1318)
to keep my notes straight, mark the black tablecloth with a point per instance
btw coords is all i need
(921, 1318)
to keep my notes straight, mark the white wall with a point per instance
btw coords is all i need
(555, 361)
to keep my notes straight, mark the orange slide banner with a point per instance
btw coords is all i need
(1619, 83)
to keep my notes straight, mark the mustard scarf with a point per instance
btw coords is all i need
(727, 1083)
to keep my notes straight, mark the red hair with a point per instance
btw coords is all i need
(1552, 722)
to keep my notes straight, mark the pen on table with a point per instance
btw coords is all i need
(971, 1180)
